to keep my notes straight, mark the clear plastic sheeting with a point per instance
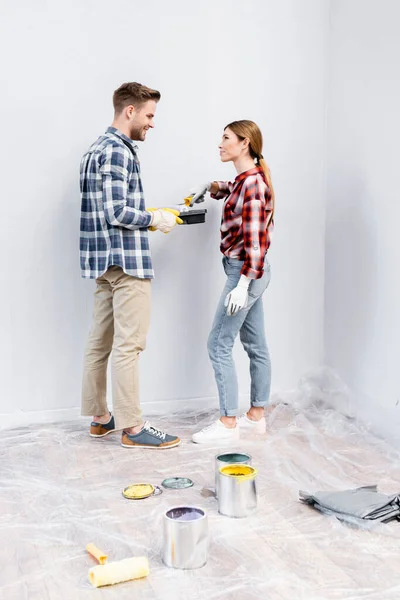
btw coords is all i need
(60, 490)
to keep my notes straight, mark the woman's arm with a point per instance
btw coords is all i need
(255, 223)
(220, 189)
(214, 188)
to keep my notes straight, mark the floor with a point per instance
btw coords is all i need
(59, 490)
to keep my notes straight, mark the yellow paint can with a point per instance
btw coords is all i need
(241, 472)
(237, 493)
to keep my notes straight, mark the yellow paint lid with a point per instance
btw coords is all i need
(138, 491)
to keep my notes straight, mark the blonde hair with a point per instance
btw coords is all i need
(248, 129)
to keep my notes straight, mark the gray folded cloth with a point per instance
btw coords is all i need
(362, 503)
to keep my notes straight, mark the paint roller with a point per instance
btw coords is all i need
(116, 572)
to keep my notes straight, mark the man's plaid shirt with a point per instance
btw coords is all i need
(114, 221)
(246, 220)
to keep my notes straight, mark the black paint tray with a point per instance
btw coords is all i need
(191, 217)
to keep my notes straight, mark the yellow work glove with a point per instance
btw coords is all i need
(164, 219)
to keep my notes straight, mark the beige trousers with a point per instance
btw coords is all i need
(121, 321)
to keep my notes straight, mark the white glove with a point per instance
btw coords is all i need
(163, 220)
(237, 298)
(198, 194)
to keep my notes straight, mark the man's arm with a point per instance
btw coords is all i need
(114, 169)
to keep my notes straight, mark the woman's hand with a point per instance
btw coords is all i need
(238, 297)
(198, 194)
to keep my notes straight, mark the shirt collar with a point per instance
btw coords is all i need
(245, 174)
(121, 135)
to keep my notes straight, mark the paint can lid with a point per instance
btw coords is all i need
(177, 483)
(138, 491)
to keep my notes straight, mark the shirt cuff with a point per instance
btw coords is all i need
(252, 273)
(223, 190)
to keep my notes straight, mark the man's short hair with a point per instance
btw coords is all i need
(133, 93)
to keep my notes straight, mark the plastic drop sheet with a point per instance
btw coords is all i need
(60, 490)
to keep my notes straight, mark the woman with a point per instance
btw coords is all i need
(246, 223)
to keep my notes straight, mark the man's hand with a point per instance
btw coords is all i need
(238, 297)
(198, 194)
(164, 219)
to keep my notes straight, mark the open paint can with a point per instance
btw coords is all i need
(185, 544)
(237, 494)
(229, 458)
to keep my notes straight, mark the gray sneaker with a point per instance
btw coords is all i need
(99, 430)
(149, 437)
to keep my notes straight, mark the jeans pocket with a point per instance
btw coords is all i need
(232, 266)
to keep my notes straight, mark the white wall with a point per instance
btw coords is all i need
(213, 62)
(363, 214)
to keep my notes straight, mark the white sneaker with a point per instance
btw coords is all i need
(246, 424)
(216, 432)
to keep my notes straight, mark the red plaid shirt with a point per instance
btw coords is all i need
(246, 220)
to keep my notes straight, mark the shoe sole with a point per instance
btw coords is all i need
(253, 431)
(219, 441)
(101, 435)
(253, 428)
(151, 447)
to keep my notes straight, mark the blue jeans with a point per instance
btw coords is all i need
(249, 322)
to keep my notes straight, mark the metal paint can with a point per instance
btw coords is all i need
(229, 458)
(237, 494)
(185, 544)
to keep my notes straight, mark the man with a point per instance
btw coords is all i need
(114, 250)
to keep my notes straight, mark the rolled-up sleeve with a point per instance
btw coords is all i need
(114, 167)
(224, 189)
(255, 221)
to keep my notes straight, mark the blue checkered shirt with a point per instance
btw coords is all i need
(114, 221)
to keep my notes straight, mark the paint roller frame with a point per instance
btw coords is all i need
(193, 217)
